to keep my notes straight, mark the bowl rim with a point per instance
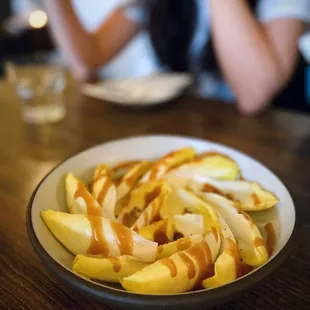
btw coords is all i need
(211, 298)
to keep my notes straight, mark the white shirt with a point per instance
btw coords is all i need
(137, 59)
(266, 11)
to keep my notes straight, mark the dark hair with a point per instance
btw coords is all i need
(172, 26)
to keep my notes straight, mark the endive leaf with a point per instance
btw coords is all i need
(179, 273)
(106, 269)
(212, 165)
(131, 178)
(252, 247)
(82, 234)
(250, 196)
(79, 200)
(166, 163)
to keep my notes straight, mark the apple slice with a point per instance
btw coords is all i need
(179, 273)
(131, 178)
(118, 171)
(181, 201)
(227, 264)
(150, 214)
(181, 244)
(106, 269)
(86, 234)
(138, 201)
(250, 196)
(104, 191)
(252, 247)
(189, 224)
(161, 232)
(212, 165)
(79, 200)
(168, 162)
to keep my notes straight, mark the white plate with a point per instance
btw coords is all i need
(145, 91)
(50, 194)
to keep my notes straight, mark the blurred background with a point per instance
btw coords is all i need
(24, 29)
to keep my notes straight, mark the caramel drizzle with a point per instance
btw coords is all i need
(271, 238)
(191, 270)
(104, 190)
(170, 264)
(115, 261)
(130, 217)
(256, 199)
(151, 196)
(163, 162)
(160, 235)
(233, 250)
(100, 173)
(201, 253)
(123, 237)
(126, 220)
(247, 217)
(211, 189)
(208, 188)
(136, 173)
(259, 242)
(146, 217)
(98, 243)
(183, 244)
(131, 180)
(92, 206)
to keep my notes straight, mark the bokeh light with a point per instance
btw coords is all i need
(38, 19)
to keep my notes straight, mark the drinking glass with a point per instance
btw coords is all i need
(39, 81)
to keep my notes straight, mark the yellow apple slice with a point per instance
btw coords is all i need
(118, 171)
(106, 269)
(161, 232)
(250, 196)
(269, 226)
(179, 273)
(227, 264)
(131, 178)
(212, 165)
(79, 200)
(189, 224)
(150, 214)
(168, 162)
(180, 201)
(181, 244)
(82, 234)
(138, 201)
(104, 191)
(100, 170)
(252, 247)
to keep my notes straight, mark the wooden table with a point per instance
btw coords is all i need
(279, 139)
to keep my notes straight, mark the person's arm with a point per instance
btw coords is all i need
(256, 59)
(87, 51)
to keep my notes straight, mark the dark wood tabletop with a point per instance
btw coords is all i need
(279, 139)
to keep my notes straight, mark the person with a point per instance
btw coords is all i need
(135, 60)
(252, 45)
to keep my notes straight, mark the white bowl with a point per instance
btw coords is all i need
(50, 194)
(149, 90)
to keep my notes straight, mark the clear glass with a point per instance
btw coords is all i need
(39, 81)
